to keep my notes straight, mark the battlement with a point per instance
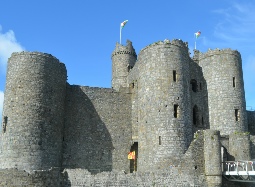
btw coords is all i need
(94, 89)
(218, 51)
(45, 57)
(121, 49)
(167, 43)
(34, 53)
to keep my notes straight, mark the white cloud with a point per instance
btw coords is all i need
(236, 25)
(235, 29)
(8, 45)
(1, 105)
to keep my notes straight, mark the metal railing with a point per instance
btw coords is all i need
(241, 171)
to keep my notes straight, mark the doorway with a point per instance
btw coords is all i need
(133, 161)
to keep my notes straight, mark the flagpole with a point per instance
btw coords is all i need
(120, 34)
(197, 34)
(195, 41)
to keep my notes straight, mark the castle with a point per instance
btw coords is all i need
(181, 116)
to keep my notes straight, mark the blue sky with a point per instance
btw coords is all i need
(83, 33)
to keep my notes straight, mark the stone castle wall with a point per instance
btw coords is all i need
(39, 178)
(97, 134)
(199, 98)
(222, 70)
(161, 136)
(157, 103)
(34, 111)
(123, 60)
(251, 127)
(187, 173)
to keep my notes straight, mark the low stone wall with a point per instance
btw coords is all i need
(171, 177)
(174, 176)
(39, 178)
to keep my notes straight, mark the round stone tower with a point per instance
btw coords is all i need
(33, 112)
(222, 70)
(164, 111)
(123, 60)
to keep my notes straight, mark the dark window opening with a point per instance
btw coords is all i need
(5, 123)
(193, 83)
(132, 85)
(176, 112)
(174, 76)
(133, 162)
(237, 115)
(195, 115)
(129, 68)
(159, 140)
(234, 82)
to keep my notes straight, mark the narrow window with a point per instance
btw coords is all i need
(195, 115)
(193, 83)
(159, 140)
(5, 123)
(132, 85)
(176, 107)
(237, 115)
(202, 121)
(133, 159)
(129, 68)
(174, 76)
(234, 82)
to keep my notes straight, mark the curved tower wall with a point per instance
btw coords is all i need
(123, 59)
(163, 138)
(226, 98)
(34, 107)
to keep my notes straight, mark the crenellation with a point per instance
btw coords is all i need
(217, 51)
(177, 117)
(167, 43)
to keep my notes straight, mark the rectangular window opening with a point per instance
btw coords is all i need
(174, 76)
(132, 85)
(159, 139)
(176, 115)
(129, 68)
(237, 115)
(5, 123)
(234, 82)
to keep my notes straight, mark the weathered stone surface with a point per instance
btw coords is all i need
(181, 115)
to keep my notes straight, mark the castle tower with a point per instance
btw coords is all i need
(164, 109)
(226, 98)
(123, 60)
(33, 112)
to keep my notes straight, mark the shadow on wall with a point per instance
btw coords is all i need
(199, 99)
(87, 143)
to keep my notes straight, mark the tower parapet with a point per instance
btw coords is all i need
(123, 60)
(34, 112)
(175, 42)
(222, 70)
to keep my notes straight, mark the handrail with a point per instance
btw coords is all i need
(240, 171)
(238, 166)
